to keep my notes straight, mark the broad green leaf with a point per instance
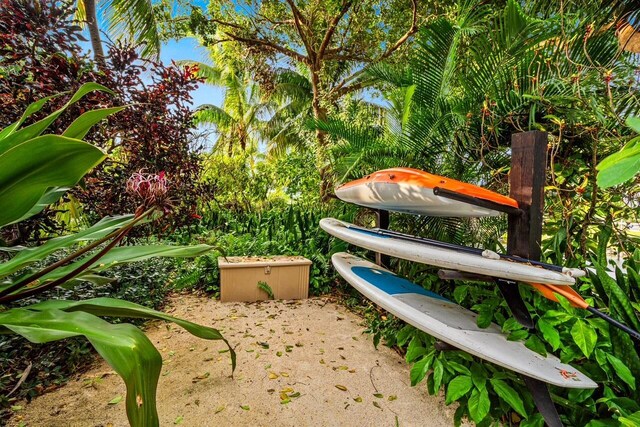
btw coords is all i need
(29, 169)
(50, 196)
(478, 376)
(457, 388)
(622, 371)
(509, 395)
(415, 349)
(420, 368)
(438, 372)
(534, 343)
(128, 254)
(30, 255)
(485, 317)
(404, 334)
(565, 304)
(632, 420)
(35, 129)
(80, 126)
(626, 151)
(626, 164)
(584, 336)
(511, 324)
(633, 123)
(457, 367)
(125, 347)
(460, 293)
(479, 404)
(549, 333)
(580, 395)
(111, 307)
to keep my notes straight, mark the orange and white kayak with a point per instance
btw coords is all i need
(417, 192)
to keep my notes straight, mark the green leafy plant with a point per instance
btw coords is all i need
(623, 165)
(35, 170)
(264, 286)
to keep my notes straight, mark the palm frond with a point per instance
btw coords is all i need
(137, 19)
(214, 115)
(211, 74)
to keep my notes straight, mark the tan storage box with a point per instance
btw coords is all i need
(287, 276)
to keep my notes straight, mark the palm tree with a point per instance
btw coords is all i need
(248, 115)
(134, 18)
(240, 120)
(290, 106)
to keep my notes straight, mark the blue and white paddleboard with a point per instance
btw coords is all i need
(452, 323)
(448, 258)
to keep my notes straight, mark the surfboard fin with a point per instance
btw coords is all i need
(542, 399)
(511, 294)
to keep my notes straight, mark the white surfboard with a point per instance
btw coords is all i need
(452, 323)
(446, 258)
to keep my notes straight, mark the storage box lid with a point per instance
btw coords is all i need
(260, 261)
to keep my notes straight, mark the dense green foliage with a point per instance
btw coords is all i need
(322, 92)
(37, 169)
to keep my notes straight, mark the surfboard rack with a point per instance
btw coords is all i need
(511, 294)
(444, 346)
(488, 204)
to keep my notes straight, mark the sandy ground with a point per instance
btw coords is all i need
(300, 363)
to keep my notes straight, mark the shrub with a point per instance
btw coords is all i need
(40, 56)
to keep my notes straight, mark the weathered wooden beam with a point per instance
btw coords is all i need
(524, 236)
(526, 185)
(382, 222)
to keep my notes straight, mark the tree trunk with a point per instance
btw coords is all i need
(322, 152)
(94, 32)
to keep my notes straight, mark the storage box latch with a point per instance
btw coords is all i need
(267, 269)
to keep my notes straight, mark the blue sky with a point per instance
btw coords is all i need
(189, 49)
(175, 51)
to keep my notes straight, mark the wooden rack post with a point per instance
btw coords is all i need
(524, 235)
(382, 222)
(526, 185)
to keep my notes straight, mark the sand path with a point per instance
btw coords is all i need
(300, 363)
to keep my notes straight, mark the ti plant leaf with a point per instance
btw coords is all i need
(33, 254)
(30, 169)
(125, 347)
(111, 307)
(128, 254)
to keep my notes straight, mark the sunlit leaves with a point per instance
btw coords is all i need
(509, 395)
(479, 404)
(457, 388)
(584, 336)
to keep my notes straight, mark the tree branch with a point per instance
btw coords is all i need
(298, 20)
(409, 33)
(268, 44)
(331, 56)
(226, 23)
(346, 5)
(342, 90)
